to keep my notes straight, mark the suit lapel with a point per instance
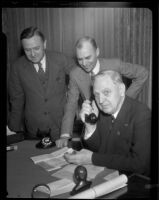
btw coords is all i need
(32, 78)
(122, 118)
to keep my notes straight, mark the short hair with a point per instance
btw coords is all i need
(89, 39)
(30, 32)
(114, 75)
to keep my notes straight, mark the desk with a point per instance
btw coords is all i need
(23, 174)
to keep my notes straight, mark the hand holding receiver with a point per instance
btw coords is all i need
(87, 109)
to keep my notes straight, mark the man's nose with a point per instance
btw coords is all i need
(83, 62)
(101, 99)
(32, 52)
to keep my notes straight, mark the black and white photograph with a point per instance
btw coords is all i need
(81, 100)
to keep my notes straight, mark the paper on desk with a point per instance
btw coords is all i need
(103, 188)
(68, 171)
(55, 154)
(61, 186)
(53, 160)
(9, 132)
(52, 164)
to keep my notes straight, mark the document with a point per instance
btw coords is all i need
(53, 160)
(60, 186)
(103, 188)
(68, 171)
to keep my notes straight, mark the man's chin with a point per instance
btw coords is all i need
(107, 110)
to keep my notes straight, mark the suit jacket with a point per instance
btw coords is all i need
(127, 146)
(41, 109)
(80, 82)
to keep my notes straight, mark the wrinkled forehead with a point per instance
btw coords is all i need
(85, 45)
(103, 82)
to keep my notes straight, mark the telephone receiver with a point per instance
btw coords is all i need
(91, 118)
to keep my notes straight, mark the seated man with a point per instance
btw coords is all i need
(123, 144)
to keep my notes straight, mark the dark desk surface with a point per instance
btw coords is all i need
(23, 174)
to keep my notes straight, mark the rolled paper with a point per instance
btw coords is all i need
(103, 188)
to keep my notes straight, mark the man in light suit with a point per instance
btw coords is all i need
(121, 143)
(87, 54)
(37, 87)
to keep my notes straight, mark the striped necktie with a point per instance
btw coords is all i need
(40, 71)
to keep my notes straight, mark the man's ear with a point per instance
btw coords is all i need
(97, 52)
(122, 89)
(45, 44)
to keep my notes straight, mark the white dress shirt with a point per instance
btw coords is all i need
(43, 62)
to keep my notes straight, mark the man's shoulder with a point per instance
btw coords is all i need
(20, 61)
(137, 106)
(109, 60)
(76, 71)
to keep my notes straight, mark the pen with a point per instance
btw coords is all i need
(12, 147)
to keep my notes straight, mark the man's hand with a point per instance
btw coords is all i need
(80, 157)
(87, 109)
(62, 142)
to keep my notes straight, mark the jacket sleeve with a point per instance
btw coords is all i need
(138, 74)
(71, 106)
(69, 64)
(138, 158)
(16, 95)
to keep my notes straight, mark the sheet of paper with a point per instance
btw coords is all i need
(9, 132)
(55, 154)
(103, 188)
(61, 186)
(52, 164)
(68, 171)
(111, 175)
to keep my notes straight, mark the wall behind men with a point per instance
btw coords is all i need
(125, 33)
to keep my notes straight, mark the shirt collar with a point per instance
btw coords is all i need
(96, 68)
(43, 60)
(116, 113)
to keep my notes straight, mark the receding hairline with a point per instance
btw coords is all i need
(87, 39)
(113, 75)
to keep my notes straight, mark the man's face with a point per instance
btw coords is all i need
(34, 48)
(107, 94)
(87, 56)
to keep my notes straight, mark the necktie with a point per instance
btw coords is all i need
(112, 123)
(40, 71)
(92, 76)
(113, 119)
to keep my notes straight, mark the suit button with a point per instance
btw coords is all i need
(45, 100)
(45, 113)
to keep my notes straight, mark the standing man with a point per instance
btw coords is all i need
(87, 54)
(122, 136)
(37, 87)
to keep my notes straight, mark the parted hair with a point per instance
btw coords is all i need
(30, 32)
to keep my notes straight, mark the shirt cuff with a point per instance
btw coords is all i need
(65, 135)
(90, 133)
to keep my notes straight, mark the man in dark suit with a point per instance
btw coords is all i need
(121, 138)
(37, 87)
(87, 54)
